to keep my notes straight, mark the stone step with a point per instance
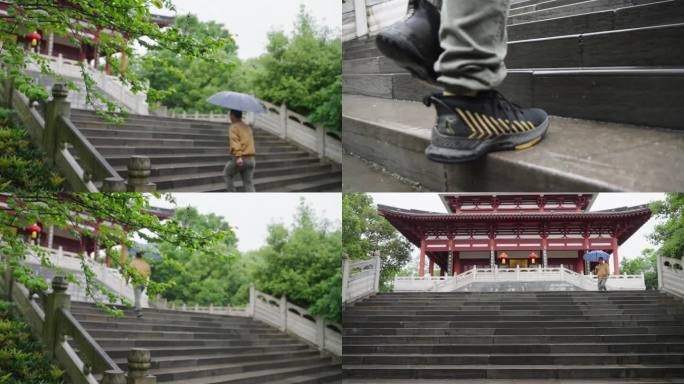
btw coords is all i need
(304, 374)
(219, 142)
(121, 352)
(106, 150)
(647, 15)
(170, 341)
(208, 371)
(518, 359)
(507, 339)
(514, 371)
(459, 317)
(203, 334)
(542, 330)
(171, 182)
(217, 166)
(89, 114)
(278, 183)
(165, 326)
(160, 321)
(443, 348)
(353, 323)
(161, 314)
(575, 155)
(576, 8)
(122, 160)
(125, 131)
(198, 361)
(644, 96)
(331, 182)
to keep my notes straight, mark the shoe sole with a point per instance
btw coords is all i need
(453, 154)
(406, 55)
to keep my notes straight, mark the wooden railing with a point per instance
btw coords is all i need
(325, 335)
(360, 279)
(59, 331)
(671, 275)
(54, 133)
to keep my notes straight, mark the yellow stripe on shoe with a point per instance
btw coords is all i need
(529, 144)
(467, 123)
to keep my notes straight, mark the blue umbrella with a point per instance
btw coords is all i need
(236, 101)
(594, 256)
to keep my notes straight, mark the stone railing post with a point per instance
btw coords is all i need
(54, 301)
(361, 18)
(114, 377)
(283, 120)
(8, 91)
(55, 108)
(378, 264)
(345, 278)
(139, 361)
(320, 333)
(320, 140)
(139, 169)
(283, 314)
(8, 282)
(252, 300)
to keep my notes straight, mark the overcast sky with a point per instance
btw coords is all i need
(250, 20)
(250, 213)
(630, 248)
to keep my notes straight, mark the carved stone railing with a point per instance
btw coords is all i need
(110, 86)
(360, 279)
(69, 151)
(161, 303)
(286, 124)
(496, 275)
(671, 275)
(60, 332)
(325, 335)
(71, 262)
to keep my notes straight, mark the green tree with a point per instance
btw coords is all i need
(303, 71)
(669, 234)
(303, 263)
(365, 232)
(185, 81)
(131, 19)
(216, 276)
(646, 264)
(128, 214)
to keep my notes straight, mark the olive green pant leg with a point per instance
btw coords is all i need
(473, 36)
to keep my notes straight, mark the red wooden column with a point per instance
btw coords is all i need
(616, 264)
(431, 267)
(579, 264)
(421, 261)
(457, 262)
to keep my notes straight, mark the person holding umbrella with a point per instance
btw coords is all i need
(602, 272)
(242, 150)
(241, 142)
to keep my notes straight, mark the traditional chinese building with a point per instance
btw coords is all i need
(52, 44)
(515, 230)
(83, 239)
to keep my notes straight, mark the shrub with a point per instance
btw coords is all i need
(22, 360)
(22, 165)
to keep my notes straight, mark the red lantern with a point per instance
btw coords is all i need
(503, 257)
(34, 37)
(532, 257)
(34, 229)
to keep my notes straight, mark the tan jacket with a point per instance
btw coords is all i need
(602, 270)
(142, 267)
(241, 140)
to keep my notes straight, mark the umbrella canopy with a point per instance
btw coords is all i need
(236, 101)
(594, 256)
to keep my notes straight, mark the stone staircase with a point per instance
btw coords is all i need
(618, 65)
(189, 155)
(626, 336)
(196, 348)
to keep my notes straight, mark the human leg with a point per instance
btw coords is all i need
(137, 293)
(228, 172)
(247, 174)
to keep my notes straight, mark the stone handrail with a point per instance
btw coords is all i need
(287, 124)
(161, 303)
(447, 284)
(58, 137)
(111, 86)
(325, 335)
(670, 275)
(57, 329)
(368, 17)
(110, 277)
(360, 279)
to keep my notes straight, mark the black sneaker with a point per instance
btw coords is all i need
(414, 42)
(470, 127)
